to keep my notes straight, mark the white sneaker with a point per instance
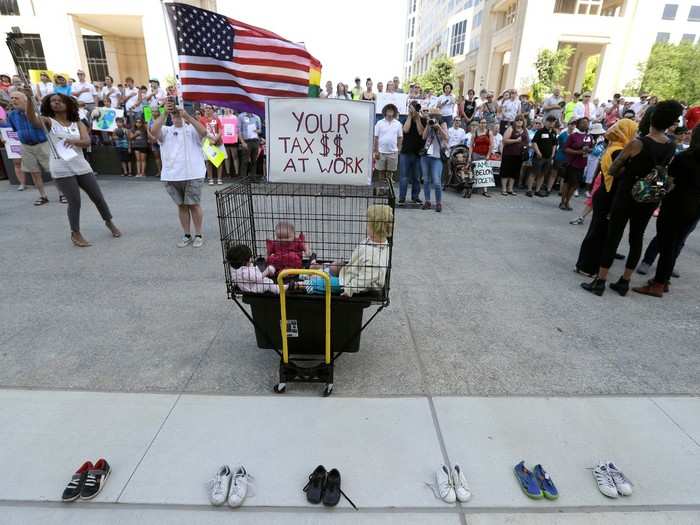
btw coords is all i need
(605, 482)
(445, 488)
(185, 241)
(20, 187)
(198, 241)
(219, 486)
(460, 484)
(576, 193)
(239, 487)
(623, 485)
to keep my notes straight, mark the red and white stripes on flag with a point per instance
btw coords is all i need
(230, 63)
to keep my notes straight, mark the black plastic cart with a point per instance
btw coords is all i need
(319, 327)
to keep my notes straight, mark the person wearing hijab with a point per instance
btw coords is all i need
(617, 137)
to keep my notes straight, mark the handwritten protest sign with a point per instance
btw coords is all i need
(319, 141)
(13, 146)
(400, 100)
(107, 121)
(483, 174)
(35, 75)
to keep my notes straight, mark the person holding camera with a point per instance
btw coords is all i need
(432, 160)
(409, 158)
(183, 167)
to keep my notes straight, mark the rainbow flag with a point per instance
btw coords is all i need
(314, 78)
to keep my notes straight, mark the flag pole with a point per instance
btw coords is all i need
(169, 35)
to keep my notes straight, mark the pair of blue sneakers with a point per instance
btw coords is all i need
(536, 483)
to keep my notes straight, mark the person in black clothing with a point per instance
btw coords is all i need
(617, 137)
(680, 212)
(636, 161)
(469, 106)
(544, 144)
(409, 158)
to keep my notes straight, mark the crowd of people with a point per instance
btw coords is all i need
(575, 145)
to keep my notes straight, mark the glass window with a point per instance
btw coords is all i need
(9, 8)
(96, 57)
(694, 15)
(688, 38)
(459, 32)
(28, 51)
(477, 19)
(468, 4)
(663, 38)
(670, 11)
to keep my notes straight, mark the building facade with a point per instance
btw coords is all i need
(120, 39)
(494, 43)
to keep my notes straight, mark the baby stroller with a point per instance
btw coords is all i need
(459, 174)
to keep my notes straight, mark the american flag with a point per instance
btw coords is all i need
(229, 63)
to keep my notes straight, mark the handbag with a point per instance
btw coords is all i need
(652, 187)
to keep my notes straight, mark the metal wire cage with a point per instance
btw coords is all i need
(330, 221)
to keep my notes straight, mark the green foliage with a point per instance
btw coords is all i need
(551, 67)
(672, 72)
(441, 70)
(591, 73)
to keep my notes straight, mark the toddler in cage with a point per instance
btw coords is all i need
(366, 269)
(246, 275)
(286, 250)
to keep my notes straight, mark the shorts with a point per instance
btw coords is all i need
(573, 176)
(140, 149)
(186, 192)
(387, 162)
(124, 155)
(560, 167)
(541, 166)
(35, 157)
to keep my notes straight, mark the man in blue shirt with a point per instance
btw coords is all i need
(35, 146)
(249, 130)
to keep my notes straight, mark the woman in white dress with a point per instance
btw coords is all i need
(67, 137)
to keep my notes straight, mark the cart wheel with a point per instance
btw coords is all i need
(328, 390)
(280, 388)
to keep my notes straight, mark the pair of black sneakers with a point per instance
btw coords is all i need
(324, 486)
(88, 481)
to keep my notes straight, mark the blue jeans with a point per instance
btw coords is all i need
(409, 171)
(432, 174)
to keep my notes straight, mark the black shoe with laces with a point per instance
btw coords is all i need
(95, 479)
(596, 286)
(622, 286)
(75, 485)
(314, 488)
(417, 201)
(331, 492)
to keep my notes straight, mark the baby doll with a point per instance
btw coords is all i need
(366, 269)
(246, 275)
(286, 250)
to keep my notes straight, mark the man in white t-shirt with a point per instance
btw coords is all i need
(131, 95)
(183, 168)
(388, 136)
(84, 92)
(111, 91)
(155, 94)
(456, 134)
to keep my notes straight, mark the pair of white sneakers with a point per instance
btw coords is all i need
(451, 486)
(229, 485)
(611, 481)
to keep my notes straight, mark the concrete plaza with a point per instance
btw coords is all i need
(488, 354)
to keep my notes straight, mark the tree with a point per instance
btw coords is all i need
(551, 67)
(672, 72)
(589, 77)
(441, 70)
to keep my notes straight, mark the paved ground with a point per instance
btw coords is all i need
(483, 303)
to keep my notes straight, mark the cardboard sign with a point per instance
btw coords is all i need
(215, 154)
(319, 141)
(107, 121)
(13, 146)
(400, 100)
(483, 174)
(35, 75)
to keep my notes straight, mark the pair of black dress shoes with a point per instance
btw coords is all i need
(324, 487)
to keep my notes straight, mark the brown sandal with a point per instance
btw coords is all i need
(115, 231)
(79, 240)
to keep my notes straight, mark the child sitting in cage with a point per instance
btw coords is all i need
(286, 250)
(246, 275)
(366, 269)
